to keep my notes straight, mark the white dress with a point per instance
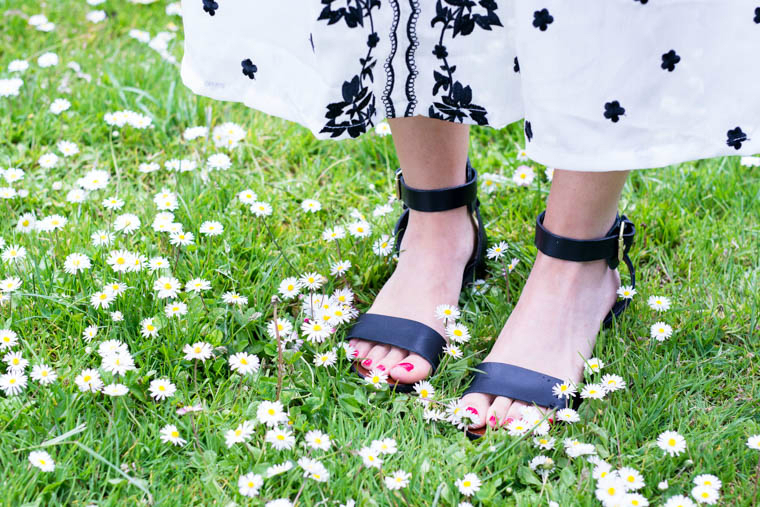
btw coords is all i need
(602, 84)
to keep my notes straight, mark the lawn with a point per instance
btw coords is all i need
(113, 288)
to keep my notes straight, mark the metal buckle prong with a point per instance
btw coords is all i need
(398, 184)
(621, 243)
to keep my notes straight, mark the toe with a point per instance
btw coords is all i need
(514, 412)
(497, 412)
(395, 355)
(362, 347)
(411, 369)
(375, 355)
(476, 404)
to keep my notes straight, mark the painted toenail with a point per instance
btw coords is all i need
(381, 367)
(472, 410)
(492, 421)
(406, 366)
(508, 420)
(367, 363)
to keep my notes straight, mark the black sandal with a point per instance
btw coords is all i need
(501, 379)
(408, 334)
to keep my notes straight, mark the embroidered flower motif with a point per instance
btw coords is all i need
(736, 137)
(613, 111)
(210, 6)
(757, 15)
(542, 19)
(528, 130)
(517, 65)
(669, 60)
(249, 68)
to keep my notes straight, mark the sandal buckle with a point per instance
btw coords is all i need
(398, 184)
(621, 243)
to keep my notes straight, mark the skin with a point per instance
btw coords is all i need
(554, 324)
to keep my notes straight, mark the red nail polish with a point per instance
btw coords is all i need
(367, 363)
(472, 410)
(355, 353)
(381, 367)
(406, 366)
(551, 421)
(508, 420)
(492, 421)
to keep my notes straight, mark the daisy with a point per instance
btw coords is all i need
(382, 128)
(118, 364)
(660, 331)
(233, 298)
(115, 390)
(26, 223)
(190, 133)
(48, 160)
(280, 438)
(101, 238)
(626, 292)
(447, 313)
(497, 251)
(382, 210)
(8, 339)
(468, 485)
(181, 238)
(315, 331)
(343, 296)
(244, 363)
(15, 361)
(523, 176)
(575, 448)
(89, 380)
(708, 481)
(312, 281)
(310, 205)
(314, 469)
(704, 494)
(283, 327)
(261, 209)
(148, 167)
(433, 414)
(635, 500)
(115, 288)
(385, 446)
(240, 434)
(278, 469)
(210, 228)
(593, 391)
(370, 457)
(424, 390)
(271, 413)
(397, 480)
(148, 329)
(175, 309)
(279, 502)
(18, 66)
(658, 303)
(167, 287)
(376, 378)
(160, 389)
(544, 442)
(170, 434)
(42, 460)
(289, 287)
(247, 196)
(317, 440)
(568, 415)
(542, 465)
(679, 501)
(249, 484)
(753, 442)
(458, 333)
(110, 347)
(197, 285)
(610, 490)
(671, 442)
(43, 374)
(593, 365)
(10, 284)
(453, 351)
(631, 478)
(360, 229)
(517, 427)
(14, 253)
(383, 246)
(219, 162)
(325, 358)
(612, 383)
(331, 234)
(564, 390)
(340, 268)
(12, 383)
(198, 350)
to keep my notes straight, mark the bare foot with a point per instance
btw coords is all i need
(552, 329)
(434, 252)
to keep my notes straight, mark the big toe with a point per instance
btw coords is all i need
(410, 369)
(476, 405)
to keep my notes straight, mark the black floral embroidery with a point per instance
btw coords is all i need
(210, 6)
(669, 60)
(390, 74)
(542, 19)
(757, 15)
(461, 17)
(736, 137)
(517, 65)
(357, 109)
(613, 111)
(643, 2)
(411, 49)
(249, 69)
(528, 130)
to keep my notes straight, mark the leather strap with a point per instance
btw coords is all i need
(402, 333)
(508, 380)
(441, 199)
(582, 250)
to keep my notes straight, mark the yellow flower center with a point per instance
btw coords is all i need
(672, 442)
(87, 378)
(466, 484)
(175, 434)
(280, 437)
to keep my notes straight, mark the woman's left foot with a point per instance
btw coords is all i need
(552, 329)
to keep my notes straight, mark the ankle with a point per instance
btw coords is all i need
(450, 231)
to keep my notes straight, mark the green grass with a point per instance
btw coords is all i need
(698, 243)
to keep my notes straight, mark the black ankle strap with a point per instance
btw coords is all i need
(613, 247)
(441, 199)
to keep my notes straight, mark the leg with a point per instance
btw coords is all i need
(581, 206)
(435, 247)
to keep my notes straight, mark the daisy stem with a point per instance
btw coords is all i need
(195, 432)
(337, 245)
(506, 276)
(195, 375)
(279, 349)
(279, 248)
(300, 490)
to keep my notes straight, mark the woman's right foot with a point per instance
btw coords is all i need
(435, 249)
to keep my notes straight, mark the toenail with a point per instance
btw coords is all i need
(472, 410)
(551, 421)
(508, 420)
(492, 421)
(381, 367)
(406, 366)
(367, 363)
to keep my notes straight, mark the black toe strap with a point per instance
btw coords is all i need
(402, 333)
(510, 381)
(441, 199)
